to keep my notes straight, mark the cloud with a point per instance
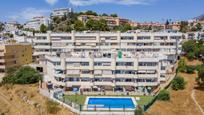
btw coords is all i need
(51, 2)
(28, 13)
(121, 2)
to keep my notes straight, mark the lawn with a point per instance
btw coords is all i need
(80, 99)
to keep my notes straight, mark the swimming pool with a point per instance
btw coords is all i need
(111, 102)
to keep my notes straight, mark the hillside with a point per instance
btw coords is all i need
(201, 17)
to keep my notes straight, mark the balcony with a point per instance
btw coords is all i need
(78, 83)
(104, 83)
(147, 83)
(147, 75)
(125, 83)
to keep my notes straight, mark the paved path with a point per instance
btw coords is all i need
(195, 101)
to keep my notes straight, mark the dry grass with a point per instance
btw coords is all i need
(181, 102)
(14, 104)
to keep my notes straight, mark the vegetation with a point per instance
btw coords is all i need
(97, 25)
(138, 111)
(178, 83)
(52, 107)
(43, 28)
(79, 25)
(193, 49)
(181, 65)
(1, 26)
(184, 27)
(24, 75)
(163, 95)
(200, 79)
(190, 69)
(123, 27)
(8, 35)
(70, 22)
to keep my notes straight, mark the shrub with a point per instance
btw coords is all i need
(24, 75)
(163, 95)
(191, 55)
(181, 65)
(52, 107)
(138, 111)
(178, 83)
(200, 79)
(190, 69)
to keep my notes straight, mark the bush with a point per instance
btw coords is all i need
(200, 79)
(190, 69)
(138, 111)
(24, 75)
(191, 55)
(178, 83)
(181, 65)
(163, 95)
(52, 107)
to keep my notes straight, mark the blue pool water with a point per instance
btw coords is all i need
(118, 103)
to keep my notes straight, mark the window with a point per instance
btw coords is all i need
(127, 38)
(147, 63)
(124, 63)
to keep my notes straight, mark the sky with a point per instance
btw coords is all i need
(136, 10)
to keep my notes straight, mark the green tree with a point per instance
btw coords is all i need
(24, 75)
(89, 12)
(1, 26)
(178, 83)
(191, 55)
(104, 14)
(92, 24)
(189, 46)
(163, 95)
(200, 79)
(43, 28)
(79, 25)
(184, 26)
(103, 26)
(114, 15)
(198, 26)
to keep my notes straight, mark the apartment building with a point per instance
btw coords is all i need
(195, 36)
(97, 61)
(36, 22)
(11, 26)
(167, 43)
(14, 55)
(107, 71)
(111, 21)
(60, 12)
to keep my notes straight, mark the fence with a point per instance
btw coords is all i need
(94, 108)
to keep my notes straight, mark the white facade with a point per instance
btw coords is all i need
(11, 26)
(108, 61)
(195, 35)
(36, 22)
(61, 12)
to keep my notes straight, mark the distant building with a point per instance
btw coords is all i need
(61, 12)
(11, 26)
(36, 22)
(14, 55)
(174, 26)
(152, 25)
(111, 21)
